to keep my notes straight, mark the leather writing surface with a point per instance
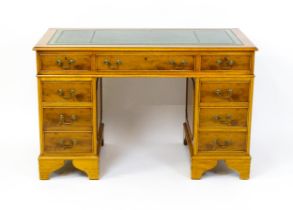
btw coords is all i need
(144, 37)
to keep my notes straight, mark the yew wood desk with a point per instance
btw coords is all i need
(218, 65)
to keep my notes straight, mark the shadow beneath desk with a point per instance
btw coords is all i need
(145, 140)
(150, 159)
(174, 156)
(110, 156)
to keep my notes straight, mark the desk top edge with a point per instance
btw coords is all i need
(43, 45)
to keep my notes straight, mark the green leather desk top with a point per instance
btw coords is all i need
(144, 37)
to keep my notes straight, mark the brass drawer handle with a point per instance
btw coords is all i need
(224, 93)
(225, 63)
(118, 62)
(66, 64)
(225, 120)
(67, 143)
(69, 95)
(63, 121)
(114, 65)
(221, 144)
(176, 65)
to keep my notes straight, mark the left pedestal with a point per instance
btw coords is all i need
(71, 125)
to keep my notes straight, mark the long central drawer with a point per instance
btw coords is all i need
(144, 62)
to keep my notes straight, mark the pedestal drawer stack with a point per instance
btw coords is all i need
(223, 113)
(69, 119)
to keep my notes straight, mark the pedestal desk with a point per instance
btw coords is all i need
(218, 65)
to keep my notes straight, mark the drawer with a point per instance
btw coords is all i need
(144, 62)
(65, 62)
(77, 142)
(225, 62)
(222, 141)
(67, 119)
(66, 91)
(222, 117)
(215, 91)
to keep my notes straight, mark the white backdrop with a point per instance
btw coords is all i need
(144, 165)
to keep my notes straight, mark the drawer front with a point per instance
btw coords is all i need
(67, 91)
(222, 141)
(55, 142)
(67, 119)
(224, 92)
(65, 62)
(222, 118)
(144, 62)
(225, 62)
